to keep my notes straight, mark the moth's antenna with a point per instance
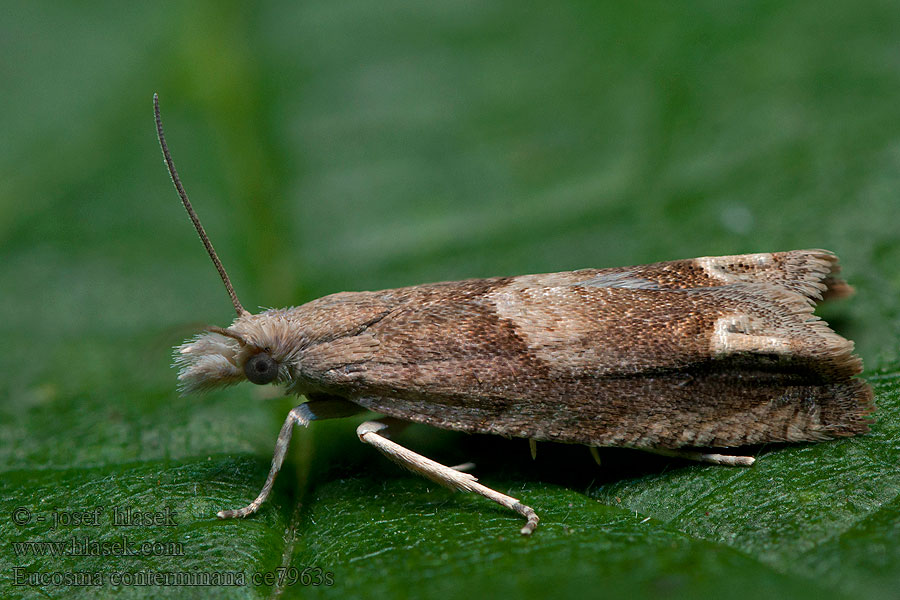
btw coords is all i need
(190, 210)
(228, 333)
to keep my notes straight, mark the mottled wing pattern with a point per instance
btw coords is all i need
(717, 351)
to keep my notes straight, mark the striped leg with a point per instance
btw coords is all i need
(314, 410)
(716, 459)
(370, 432)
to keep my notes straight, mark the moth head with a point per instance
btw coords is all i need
(252, 348)
(256, 348)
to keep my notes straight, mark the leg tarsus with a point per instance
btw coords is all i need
(716, 459)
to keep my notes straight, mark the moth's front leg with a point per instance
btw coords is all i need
(314, 410)
(370, 433)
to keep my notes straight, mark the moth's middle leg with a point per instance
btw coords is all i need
(371, 432)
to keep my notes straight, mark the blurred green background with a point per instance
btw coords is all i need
(333, 146)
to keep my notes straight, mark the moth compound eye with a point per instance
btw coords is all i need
(261, 369)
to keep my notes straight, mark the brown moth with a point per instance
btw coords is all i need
(671, 357)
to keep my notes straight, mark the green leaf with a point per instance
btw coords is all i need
(333, 146)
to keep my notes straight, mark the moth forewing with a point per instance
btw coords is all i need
(668, 357)
(616, 361)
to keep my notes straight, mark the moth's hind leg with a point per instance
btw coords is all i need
(314, 410)
(371, 432)
(716, 459)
